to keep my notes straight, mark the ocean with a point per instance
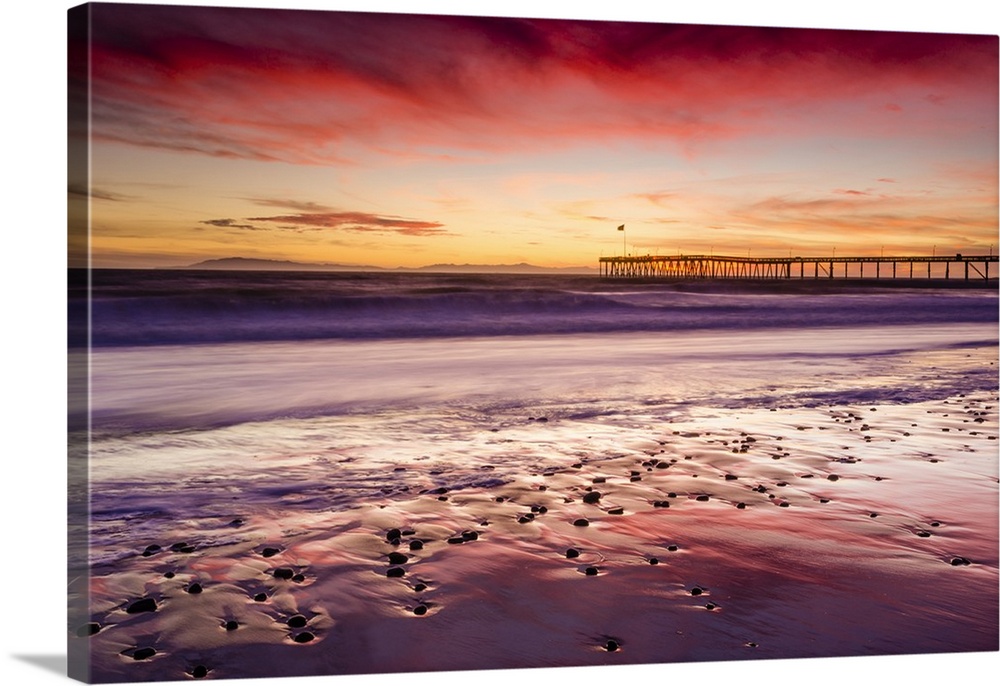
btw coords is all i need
(310, 413)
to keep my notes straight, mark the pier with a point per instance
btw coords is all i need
(950, 267)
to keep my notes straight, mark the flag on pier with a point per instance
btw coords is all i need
(621, 228)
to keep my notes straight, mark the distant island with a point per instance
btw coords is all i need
(255, 264)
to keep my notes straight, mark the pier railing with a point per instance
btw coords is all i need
(967, 267)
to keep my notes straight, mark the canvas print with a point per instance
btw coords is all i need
(409, 343)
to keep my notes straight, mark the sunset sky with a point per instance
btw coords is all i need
(405, 140)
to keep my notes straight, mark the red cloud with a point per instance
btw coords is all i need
(316, 87)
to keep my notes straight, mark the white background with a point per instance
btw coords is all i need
(32, 331)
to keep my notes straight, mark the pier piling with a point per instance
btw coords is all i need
(688, 267)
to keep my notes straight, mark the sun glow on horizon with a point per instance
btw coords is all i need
(501, 141)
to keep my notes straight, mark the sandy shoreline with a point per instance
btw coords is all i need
(736, 534)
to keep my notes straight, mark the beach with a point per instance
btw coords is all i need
(478, 493)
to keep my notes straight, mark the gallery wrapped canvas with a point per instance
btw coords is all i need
(416, 342)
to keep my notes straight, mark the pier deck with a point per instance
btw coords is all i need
(966, 267)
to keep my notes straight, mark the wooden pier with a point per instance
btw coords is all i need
(957, 267)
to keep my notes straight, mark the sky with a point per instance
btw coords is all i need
(406, 140)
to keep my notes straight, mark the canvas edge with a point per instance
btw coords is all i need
(78, 26)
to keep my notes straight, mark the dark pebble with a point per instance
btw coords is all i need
(260, 597)
(633, 479)
(671, 495)
(455, 540)
(702, 498)
(397, 558)
(420, 588)
(304, 637)
(199, 672)
(232, 625)
(710, 606)
(591, 571)
(416, 545)
(672, 548)
(88, 629)
(741, 506)
(592, 498)
(270, 552)
(296, 621)
(873, 515)
(924, 534)
(470, 535)
(143, 653)
(731, 477)
(611, 646)
(935, 523)
(524, 519)
(420, 610)
(654, 561)
(661, 503)
(144, 605)
(542, 509)
(572, 552)
(151, 550)
(824, 500)
(168, 575)
(783, 503)
(393, 534)
(236, 522)
(299, 578)
(616, 511)
(283, 573)
(194, 588)
(179, 546)
(957, 561)
(599, 480)
(697, 591)
(395, 572)
(581, 522)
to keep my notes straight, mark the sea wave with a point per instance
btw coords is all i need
(129, 308)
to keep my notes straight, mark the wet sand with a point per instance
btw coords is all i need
(764, 532)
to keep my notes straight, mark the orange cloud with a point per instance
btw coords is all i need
(357, 222)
